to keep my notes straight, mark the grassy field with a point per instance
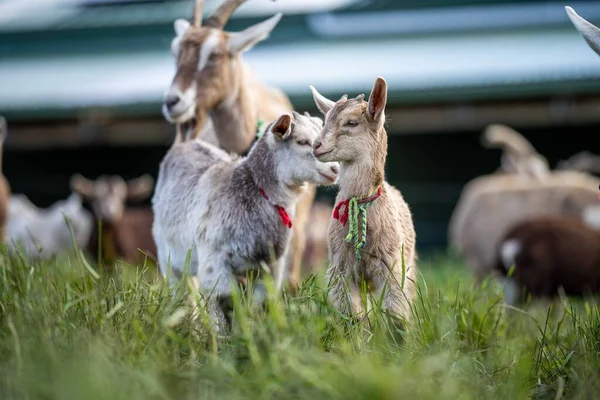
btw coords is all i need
(66, 333)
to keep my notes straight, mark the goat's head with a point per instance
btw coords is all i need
(353, 127)
(291, 138)
(208, 62)
(109, 195)
(589, 31)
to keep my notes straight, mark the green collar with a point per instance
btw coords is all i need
(260, 126)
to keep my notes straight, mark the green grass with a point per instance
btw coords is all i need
(66, 333)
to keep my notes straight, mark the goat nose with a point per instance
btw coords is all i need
(317, 144)
(335, 169)
(171, 101)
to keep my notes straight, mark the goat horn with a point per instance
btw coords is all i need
(198, 7)
(222, 14)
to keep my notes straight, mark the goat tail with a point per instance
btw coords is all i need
(583, 161)
(509, 140)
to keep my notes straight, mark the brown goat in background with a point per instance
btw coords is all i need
(549, 253)
(124, 231)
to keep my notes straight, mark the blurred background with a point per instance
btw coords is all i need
(81, 84)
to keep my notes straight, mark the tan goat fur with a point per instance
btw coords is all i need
(4, 186)
(315, 253)
(583, 161)
(217, 97)
(354, 135)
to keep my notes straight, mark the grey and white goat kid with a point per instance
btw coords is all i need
(233, 215)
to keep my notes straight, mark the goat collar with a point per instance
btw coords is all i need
(357, 232)
(285, 217)
(346, 204)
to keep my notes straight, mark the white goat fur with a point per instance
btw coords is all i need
(44, 232)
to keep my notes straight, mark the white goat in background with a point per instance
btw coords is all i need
(40, 233)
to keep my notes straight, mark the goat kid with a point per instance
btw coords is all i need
(4, 186)
(125, 230)
(234, 215)
(550, 253)
(354, 135)
(215, 95)
(42, 233)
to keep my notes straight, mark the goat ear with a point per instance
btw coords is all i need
(139, 189)
(322, 102)
(239, 42)
(181, 26)
(282, 128)
(377, 99)
(82, 185)
(589, 31)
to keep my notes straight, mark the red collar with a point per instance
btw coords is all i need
(285, 217)
(345, 203)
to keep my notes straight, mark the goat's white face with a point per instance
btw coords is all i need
(291, 137)
(109, 195)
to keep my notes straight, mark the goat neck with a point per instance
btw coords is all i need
(361, 177)
(262, 166)
(236, 119)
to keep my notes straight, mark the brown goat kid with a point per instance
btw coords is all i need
(4, 186)
(550, 253)
(124, 231)
(216, 95)
(354, 135)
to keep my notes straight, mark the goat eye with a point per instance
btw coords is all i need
(303, 143)
(352, 123)
(214, 57)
